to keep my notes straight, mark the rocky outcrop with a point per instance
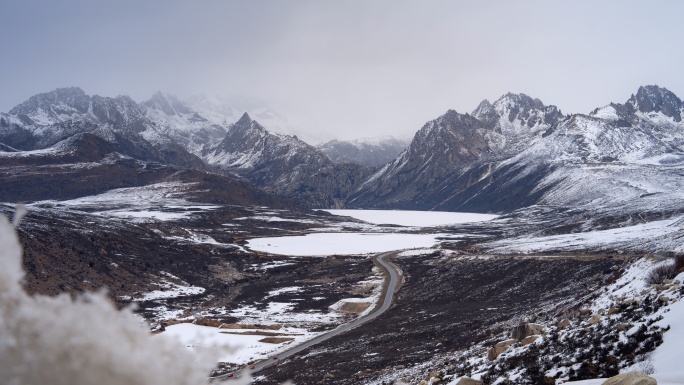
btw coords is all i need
(657, 99)
(499, 348)
(529, 339)
(468, 381)
(208, 322)
(524, 330)
(631, 378)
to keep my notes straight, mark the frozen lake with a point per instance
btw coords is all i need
(321, 244)
(341, 243)
(413, 218)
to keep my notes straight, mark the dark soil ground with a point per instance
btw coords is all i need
(446, 304)
(67, 251)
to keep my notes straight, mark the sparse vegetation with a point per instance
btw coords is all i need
(658, 274)
(679, 263)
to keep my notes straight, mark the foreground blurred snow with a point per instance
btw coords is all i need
(83, 341)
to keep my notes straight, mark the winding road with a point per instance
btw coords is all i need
(389, 288)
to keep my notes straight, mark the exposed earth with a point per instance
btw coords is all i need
(447, 304)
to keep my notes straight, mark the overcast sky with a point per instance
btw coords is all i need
(355, 68)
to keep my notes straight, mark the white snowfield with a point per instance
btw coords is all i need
(323, 244)
(159, 201)
(243, 347)
(413, 218)
(657, 235)
(167, 290)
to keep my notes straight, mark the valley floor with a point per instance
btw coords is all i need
(194, 271)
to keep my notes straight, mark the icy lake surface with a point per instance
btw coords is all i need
(321, 244)
(413, 218)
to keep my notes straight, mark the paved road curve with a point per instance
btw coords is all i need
(386, 301)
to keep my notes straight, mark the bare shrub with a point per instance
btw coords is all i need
(660, 273)
(679, 263)
(645, 363)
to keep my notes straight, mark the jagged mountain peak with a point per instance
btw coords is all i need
(517, 102)
(244, 120)
(246, 127)
(63, 98)
(484, 107)
(167, 103)
(653, 98)
(486, 112)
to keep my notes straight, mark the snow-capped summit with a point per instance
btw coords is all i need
(168, 103)
(177, 121)
(284, 164)
(517, 151)
(244, 120)
(486, 112)
(54, 106)
(516, 121)
(48, 118)
(249, 146)
(656, 99)
(72, 104)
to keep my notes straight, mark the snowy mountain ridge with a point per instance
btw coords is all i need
(516, 152)
(182, 124)
(284, 164)
(505, 155)
(224, 110)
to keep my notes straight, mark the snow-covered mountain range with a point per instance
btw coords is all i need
(48, 118)
(517, 152)
(278, 118)
(166, 130)
(505, 155)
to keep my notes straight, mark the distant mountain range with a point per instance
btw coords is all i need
(517, 152)
(371, 152)
(512, 153)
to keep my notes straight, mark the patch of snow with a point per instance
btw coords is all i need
(667, 357)
(168, 290)
(244, 347)
(652, 236)
(274, 219)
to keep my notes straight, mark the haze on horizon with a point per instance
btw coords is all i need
(346, 69)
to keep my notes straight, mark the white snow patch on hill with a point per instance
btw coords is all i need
(654, 236)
